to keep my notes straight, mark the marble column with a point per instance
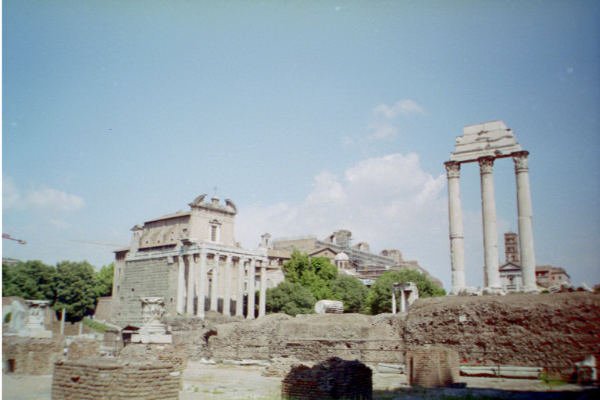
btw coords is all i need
(393, 300)
(525, 214)
(251, 277)
(227, 289)
(239, 300)
(457, 238)
(262, 300)
(214, 290)
(490, 232)
(180, 285)
(402, 301)
(190, 285)
(202, 281)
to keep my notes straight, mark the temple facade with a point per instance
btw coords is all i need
(192, 261)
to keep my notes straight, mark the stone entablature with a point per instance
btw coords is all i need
(490, 139)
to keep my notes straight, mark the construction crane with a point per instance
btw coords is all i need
(8, 237)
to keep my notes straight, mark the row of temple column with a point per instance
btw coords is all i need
(193, 290)
(490, 235)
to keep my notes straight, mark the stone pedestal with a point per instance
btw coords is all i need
(34, 324)
(153, 331)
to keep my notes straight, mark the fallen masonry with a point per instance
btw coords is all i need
(331, 379)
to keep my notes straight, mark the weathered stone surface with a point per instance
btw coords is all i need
(331, 379)
(311, 338)
(432, 366)
(83, 348)
(32, 356)
(519, 329)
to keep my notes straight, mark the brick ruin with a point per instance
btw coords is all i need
(331, 379)
(110, 379)
(547, 331)
(490, 330)
(31, 356)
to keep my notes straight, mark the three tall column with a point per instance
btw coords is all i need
(490, 235)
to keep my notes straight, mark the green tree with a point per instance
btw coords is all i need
(314, 274)
(30, 279)
(103, 280)
(75, 289)
(379, 298)
(351, 291)
(290, 298)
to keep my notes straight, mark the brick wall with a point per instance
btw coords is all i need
(331, 379)
(21, 355)
(102, 379)
(432, 366)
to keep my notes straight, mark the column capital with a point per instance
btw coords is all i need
(486, 164)
(520, 158)
(452, 169)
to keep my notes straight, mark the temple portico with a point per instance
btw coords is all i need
(485, 143)
(191, 260)
(215, 278)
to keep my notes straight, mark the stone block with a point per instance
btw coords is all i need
(432, 366)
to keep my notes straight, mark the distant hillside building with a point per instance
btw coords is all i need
(510, 272)
(191, 260)
(356, 260)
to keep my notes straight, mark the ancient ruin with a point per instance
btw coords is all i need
(153, 330)
(484, 143)
(191, 259)
(432, 366)
(331, 379)
(408, 294)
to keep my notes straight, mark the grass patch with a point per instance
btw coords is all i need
(95, 325)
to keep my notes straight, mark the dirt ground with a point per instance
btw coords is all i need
(230, 382)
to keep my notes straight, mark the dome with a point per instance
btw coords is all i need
(341, 256)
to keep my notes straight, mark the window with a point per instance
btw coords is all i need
(215, 231)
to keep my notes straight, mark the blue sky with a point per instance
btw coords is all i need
(311, 116)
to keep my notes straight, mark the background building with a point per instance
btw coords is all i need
(546, 276)
(356, 260)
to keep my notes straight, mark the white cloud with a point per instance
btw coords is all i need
(384, 124)
(48, 198)
(389, 201)
(406, 107)
(10, 193)
(41, 199)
